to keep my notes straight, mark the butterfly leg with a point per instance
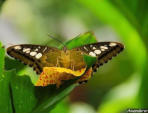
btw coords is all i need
(73, 68)
(57, 62)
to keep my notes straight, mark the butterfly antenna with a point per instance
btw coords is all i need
(57, 40)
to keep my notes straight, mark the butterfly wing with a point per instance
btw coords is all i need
(31, 55)
(38, 56)
(104, 51)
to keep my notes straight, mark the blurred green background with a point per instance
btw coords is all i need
(120, 84)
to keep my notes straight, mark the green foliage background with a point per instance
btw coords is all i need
(117, 86)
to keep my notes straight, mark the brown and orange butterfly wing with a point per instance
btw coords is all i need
(104, 51)
(33, 55)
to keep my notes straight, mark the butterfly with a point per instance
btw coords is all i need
(54, 65)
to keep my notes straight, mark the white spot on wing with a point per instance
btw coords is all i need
(92, 54)
(97, 51)
(26, 49)
(94, 48)
(103, 47)
(33, 53)
(112, 44)
(36, 49)
(39, 55)
(17, 47)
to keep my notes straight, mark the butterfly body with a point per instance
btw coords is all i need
(70, 59)
(56, 65)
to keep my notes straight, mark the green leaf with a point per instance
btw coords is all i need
(5, 90)
(53, 96)
(89, 60)
(5, 93)
(23, 92)
(2, 55)
(83, 39)
(10, 63)
(24, 97)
